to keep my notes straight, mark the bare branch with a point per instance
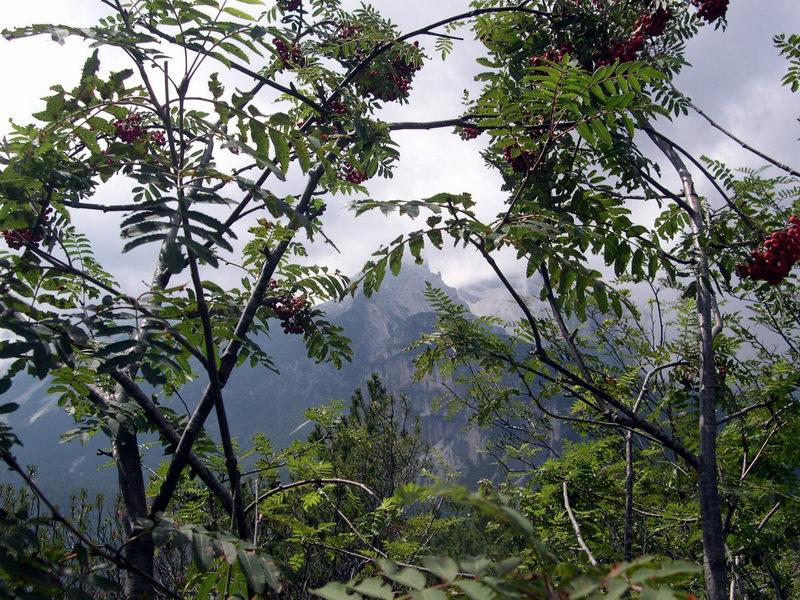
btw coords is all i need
(739, 141)
(577, 528)
(117, 559)
(768, 516)
(229, 356)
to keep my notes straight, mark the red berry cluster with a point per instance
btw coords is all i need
(389, 80)
(337, 107)
(290, 5)
(346, 32)
(353, 174)
(711, 10)
(624, 50)
(293, 311)
(289, 55)
(389, 76)
(651, 25)
(130, 128)
(596, 3)
(17, 238)
(552, 54)
(521, 162)
(469, 133)
(654, 24)
(781, 252)
(627, 50)
(158, 138)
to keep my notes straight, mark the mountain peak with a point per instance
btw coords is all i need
(399, 296)
(404, 295)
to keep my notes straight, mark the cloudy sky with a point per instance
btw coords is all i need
(735, 77)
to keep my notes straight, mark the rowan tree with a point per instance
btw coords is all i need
(569, 93)
(567, 88)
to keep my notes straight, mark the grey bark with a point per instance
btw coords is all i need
(714, 565)
(627, 540)
(576, 527)
(630, 475)
(155, 416)
(139, 546)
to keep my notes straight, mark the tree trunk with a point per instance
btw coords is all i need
(714, 566)
(627, 543)
(710, 506)
(777, 585)
(139, 548)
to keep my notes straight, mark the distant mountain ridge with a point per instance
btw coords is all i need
(259, 401)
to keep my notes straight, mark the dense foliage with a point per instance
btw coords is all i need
(640, 437)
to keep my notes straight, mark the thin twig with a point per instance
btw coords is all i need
(118, 560)
(768, 516)
(577, 528)
(739, 141)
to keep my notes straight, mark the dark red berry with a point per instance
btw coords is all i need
(469, 133)
(520, 163)
(294, 311)
(627, 50)
(390, 75)
(17, 238)
(337, 107)
(654, 24)
(773, 263)
(354, 174)
(552, 54)
(289, 55)
(711, 10)
(129, 129)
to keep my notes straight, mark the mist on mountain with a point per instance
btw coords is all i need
(274, 404)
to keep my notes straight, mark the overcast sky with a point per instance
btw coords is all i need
(735, 77)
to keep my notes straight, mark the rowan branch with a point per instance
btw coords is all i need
(627, 419)
(768, 516)
(229, 356)
(739, 141)
(165, 428)
(577, 528)
(742, 412)
(713, 180)
(117, 559)
(231, 465)
(318, 482)
(467, 121)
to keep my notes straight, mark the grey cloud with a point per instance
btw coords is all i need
(736, 79)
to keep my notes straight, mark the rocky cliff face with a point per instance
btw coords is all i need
(381, 328)
(258, 401)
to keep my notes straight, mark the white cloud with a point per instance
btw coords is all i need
(75, 464)
(50, 404)
(735, 78)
